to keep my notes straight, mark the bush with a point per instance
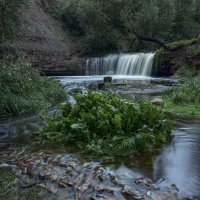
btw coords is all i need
(186, 92)
(24, 91)
(103, 123)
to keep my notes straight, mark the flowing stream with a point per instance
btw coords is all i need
(177, 163)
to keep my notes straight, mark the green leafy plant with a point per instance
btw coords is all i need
(103, 123)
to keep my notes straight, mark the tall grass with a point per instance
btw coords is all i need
(24, 91)
(187, 91)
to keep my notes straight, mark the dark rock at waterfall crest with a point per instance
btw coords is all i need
(177, 59)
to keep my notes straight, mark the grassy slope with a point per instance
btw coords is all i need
(24, 91)
(184, 99)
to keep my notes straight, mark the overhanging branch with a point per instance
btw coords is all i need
(151, 39)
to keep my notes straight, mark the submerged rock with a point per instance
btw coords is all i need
(88, 180)
(6, 130)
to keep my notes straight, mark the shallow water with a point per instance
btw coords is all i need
(178, 163)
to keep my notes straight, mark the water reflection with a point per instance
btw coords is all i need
(179, 162)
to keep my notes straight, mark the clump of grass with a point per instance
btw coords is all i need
(24, 91)
(187, 91)
(103, 123)
(184, 99)
(10, 188)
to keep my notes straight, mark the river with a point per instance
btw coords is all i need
(175, 163)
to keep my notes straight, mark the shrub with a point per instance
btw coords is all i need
(187, 91)
(103, 123)
(24, 91)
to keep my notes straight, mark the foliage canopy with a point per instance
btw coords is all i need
(113, 25)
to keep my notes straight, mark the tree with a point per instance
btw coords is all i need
(186, 19)
(125, 24)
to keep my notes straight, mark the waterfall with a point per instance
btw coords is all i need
(121, 64)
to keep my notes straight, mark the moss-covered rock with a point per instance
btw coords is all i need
(180, 44)
(177, 56)
(157, 58)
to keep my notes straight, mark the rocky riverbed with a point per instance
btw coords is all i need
(76, 178)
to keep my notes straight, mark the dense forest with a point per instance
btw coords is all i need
(124, 25)
(116, 25)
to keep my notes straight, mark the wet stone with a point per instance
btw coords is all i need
(101, 86)
(157, 101)
(6, 130)
(107, 79)
(86, 181)
(130, 193)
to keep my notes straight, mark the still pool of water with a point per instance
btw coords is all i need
(177, 163)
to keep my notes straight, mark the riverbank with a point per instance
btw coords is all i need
(24, 91)
(183, 100)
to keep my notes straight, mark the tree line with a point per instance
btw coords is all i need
(116, 25)
(122, 25)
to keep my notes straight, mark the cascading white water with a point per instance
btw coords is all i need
(121, 64)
